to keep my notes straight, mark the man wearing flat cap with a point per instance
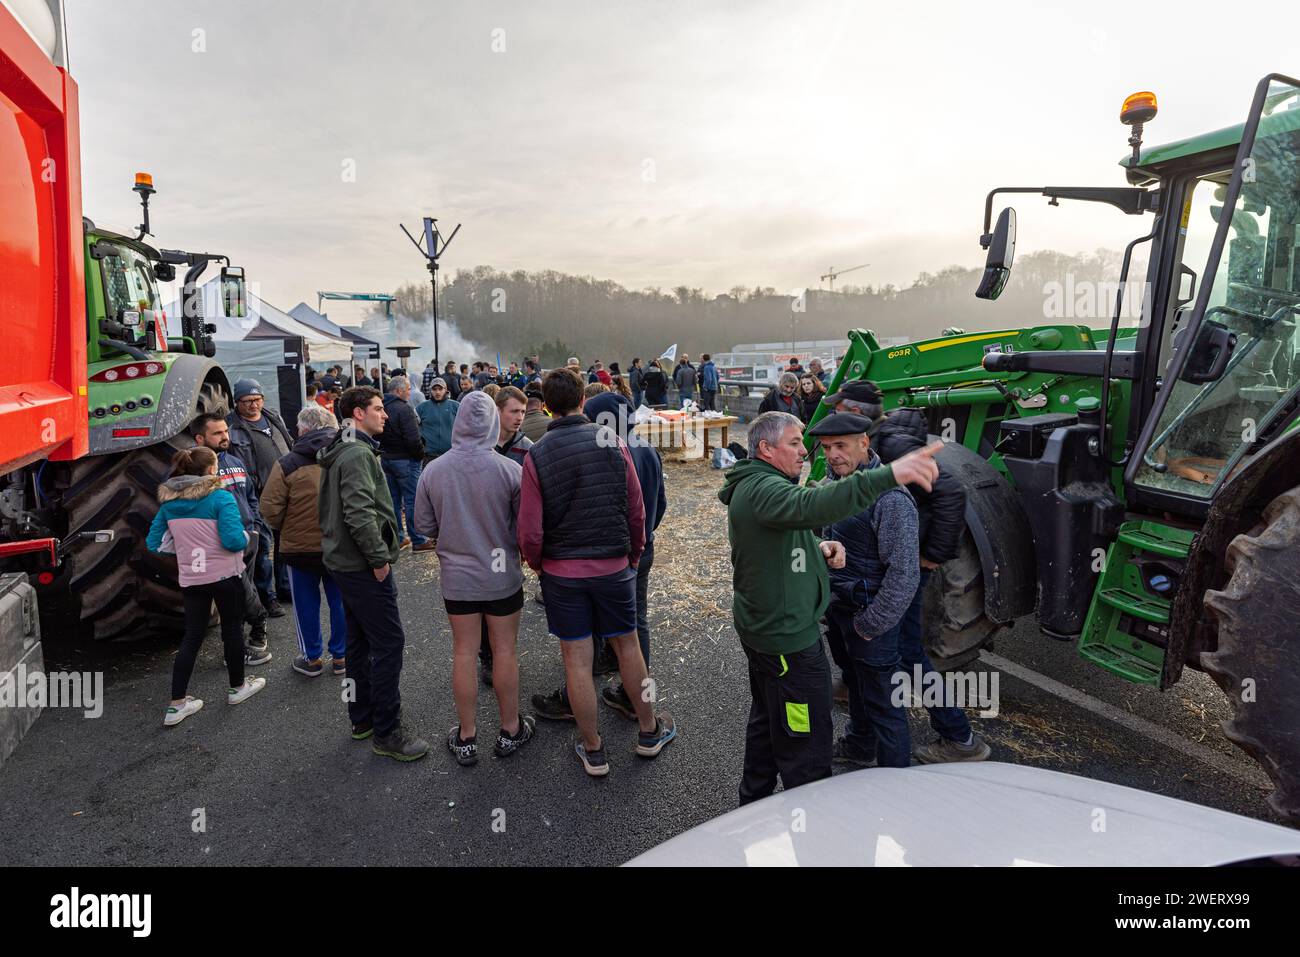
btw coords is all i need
(942, 515)
(870, 595)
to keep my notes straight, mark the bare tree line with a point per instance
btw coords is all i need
(557, 314)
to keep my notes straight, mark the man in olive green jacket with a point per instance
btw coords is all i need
(359, 544)
(780, 592)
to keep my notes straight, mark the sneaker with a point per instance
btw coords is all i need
(485, 673)
(845, 752)
(403, 744)
(362, 731)
(615, 696)
(593, 762)
(250, 687)
(274, 610)
(649, 744)
(944, 751)
(426, 546)
(465, 750)
(508, 744)
(553, 706)
(256, 655)
(175, 715)
(305, 667)
(339, 666)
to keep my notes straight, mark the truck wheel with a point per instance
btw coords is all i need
(119, 589)
(1258, 659)
(956, 626)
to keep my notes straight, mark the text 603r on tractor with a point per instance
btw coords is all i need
(1138, 489)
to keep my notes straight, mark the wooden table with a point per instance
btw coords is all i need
(689, 434)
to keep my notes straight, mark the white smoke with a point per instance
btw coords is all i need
(452, 346)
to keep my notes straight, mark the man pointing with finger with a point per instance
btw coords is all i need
(781, 590)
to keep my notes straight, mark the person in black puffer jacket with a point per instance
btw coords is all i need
(943, 510)
(401, 453)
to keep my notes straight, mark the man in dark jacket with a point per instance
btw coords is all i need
(636, 382)
(942, 523)
(613, 411)
(359, 544)
(437, 415)
(708, 384)
(258, 437)
(401, 452)
(870, 596)
(783, 397)
(579, 479)
(211, 431)
(685, 377)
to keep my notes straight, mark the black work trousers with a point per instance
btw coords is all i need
(790, 732)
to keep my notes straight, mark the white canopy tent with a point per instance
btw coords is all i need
(265, 321)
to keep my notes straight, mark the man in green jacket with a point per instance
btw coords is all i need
(359, 544)
(781, 590)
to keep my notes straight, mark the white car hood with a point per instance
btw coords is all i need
(987, 814)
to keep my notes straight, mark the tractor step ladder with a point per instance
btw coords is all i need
(1127, 626)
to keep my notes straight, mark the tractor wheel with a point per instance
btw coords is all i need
(956, 626)
(1258, 658)
(119, 589)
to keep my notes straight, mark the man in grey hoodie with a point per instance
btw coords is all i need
(467, 502)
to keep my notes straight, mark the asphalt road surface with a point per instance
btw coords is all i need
(278, 780)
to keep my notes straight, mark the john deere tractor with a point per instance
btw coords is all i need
(1138, 488)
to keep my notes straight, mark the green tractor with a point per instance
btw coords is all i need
(1137, 488)
(146, 383)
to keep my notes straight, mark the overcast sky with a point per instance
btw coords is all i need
(653, 142)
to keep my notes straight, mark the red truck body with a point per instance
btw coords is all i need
(43, 410)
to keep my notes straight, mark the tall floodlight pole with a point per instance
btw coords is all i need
(432, 249)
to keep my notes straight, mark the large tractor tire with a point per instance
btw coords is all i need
(956, 626)
(118, 589)
(1258, 658)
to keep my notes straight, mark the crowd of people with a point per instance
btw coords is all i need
(370, 475)
(509, 468)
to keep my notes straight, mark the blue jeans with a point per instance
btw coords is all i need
(949, 723)
(637, 397)
(264, 569)
(877, 726)
(305, 587)
(402, 476)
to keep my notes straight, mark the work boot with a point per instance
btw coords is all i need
(401, 743)
(944, 751)
(846, 752)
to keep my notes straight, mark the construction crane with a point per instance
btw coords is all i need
(831, 273)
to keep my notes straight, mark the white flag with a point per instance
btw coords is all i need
(670, 353)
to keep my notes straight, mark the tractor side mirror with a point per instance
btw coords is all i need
(233, 292)
(1002, 251)
(1210, 353)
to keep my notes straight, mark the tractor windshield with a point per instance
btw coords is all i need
(129, 284)
(1206, 428)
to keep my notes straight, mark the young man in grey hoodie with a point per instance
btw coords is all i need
(467, 502)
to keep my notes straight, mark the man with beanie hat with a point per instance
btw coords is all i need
(259, 437)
